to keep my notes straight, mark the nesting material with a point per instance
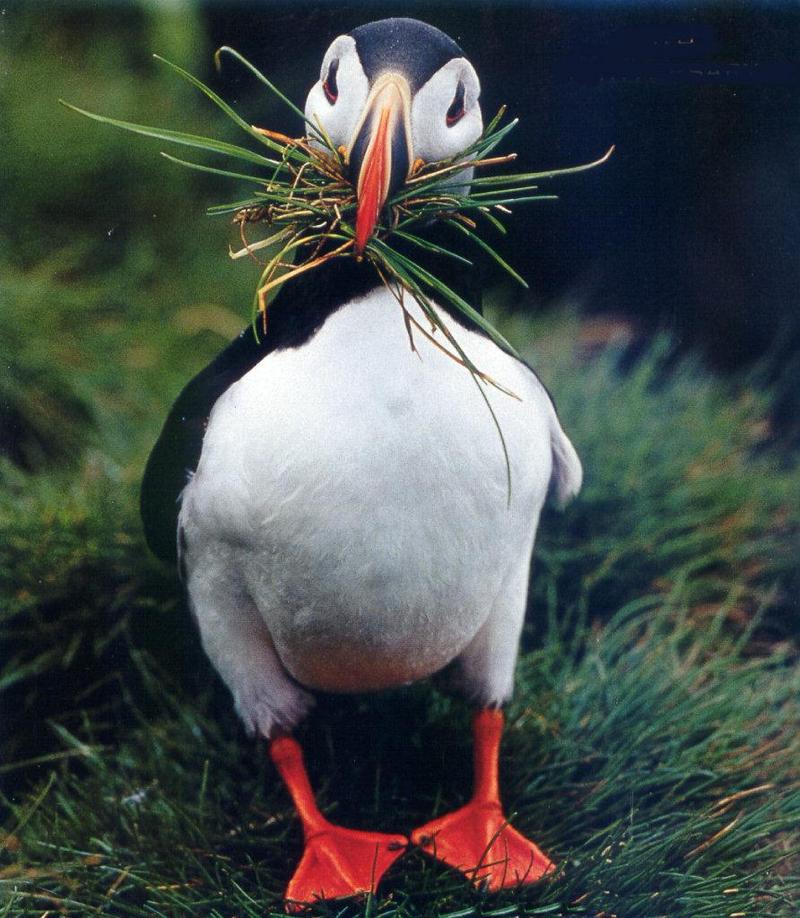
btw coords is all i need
(302, 211)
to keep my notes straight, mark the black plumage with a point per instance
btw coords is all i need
(415, 48)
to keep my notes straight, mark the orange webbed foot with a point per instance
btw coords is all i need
(340, 862)
(478, 841)
(336, 862)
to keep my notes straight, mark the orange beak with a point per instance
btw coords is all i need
(380, 152)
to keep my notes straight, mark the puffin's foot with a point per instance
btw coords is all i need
(479, 842)
(477, 839)
(340, 862)
(336, 862)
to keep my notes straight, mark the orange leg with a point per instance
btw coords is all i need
(336, 862)
(477, 839)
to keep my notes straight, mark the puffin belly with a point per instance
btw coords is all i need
(364, 488)
(367, 608)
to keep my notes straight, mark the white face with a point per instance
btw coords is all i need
(445, 116)
(339, 109)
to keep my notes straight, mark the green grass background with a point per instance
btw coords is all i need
(653, 744)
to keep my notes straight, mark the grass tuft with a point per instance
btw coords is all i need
(681, 492)
(660, 776)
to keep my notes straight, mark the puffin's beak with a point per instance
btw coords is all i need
(380, 153)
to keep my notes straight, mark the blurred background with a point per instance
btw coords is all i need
(695, 223)
(662, 312)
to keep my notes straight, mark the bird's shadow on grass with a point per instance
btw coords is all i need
(388, 761)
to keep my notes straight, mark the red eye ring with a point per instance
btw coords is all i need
(454, 119)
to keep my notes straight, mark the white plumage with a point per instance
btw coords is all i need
(348, 529)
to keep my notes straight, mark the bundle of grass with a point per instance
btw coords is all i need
(306, 203)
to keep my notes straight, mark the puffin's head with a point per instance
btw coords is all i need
(392, 93)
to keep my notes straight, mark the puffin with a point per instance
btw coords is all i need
(336, 497)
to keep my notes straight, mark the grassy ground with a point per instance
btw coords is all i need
(658, 775)
(653, 745)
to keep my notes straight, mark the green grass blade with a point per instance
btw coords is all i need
(519, 178)
(261, 199)
(495, 121)
(499, 184)
(436, 321)
(223, 106)
(480, 203)
(485, 212)
(489, 251)
(241, 176)
(447, 292)
(489, 140)
(190, 140)
(431, 247)
(216, 210)
(225, 49)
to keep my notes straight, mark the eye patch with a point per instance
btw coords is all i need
(330, 86)
(456, 111)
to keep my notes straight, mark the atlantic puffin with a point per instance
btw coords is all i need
(337, 501)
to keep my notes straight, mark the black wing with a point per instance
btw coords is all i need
(177, 450)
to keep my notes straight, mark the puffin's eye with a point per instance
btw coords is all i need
(456, 111)
(329, 86)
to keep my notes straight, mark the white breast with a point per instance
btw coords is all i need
(357, 491)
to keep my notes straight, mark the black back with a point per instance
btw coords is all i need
(414, 48)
